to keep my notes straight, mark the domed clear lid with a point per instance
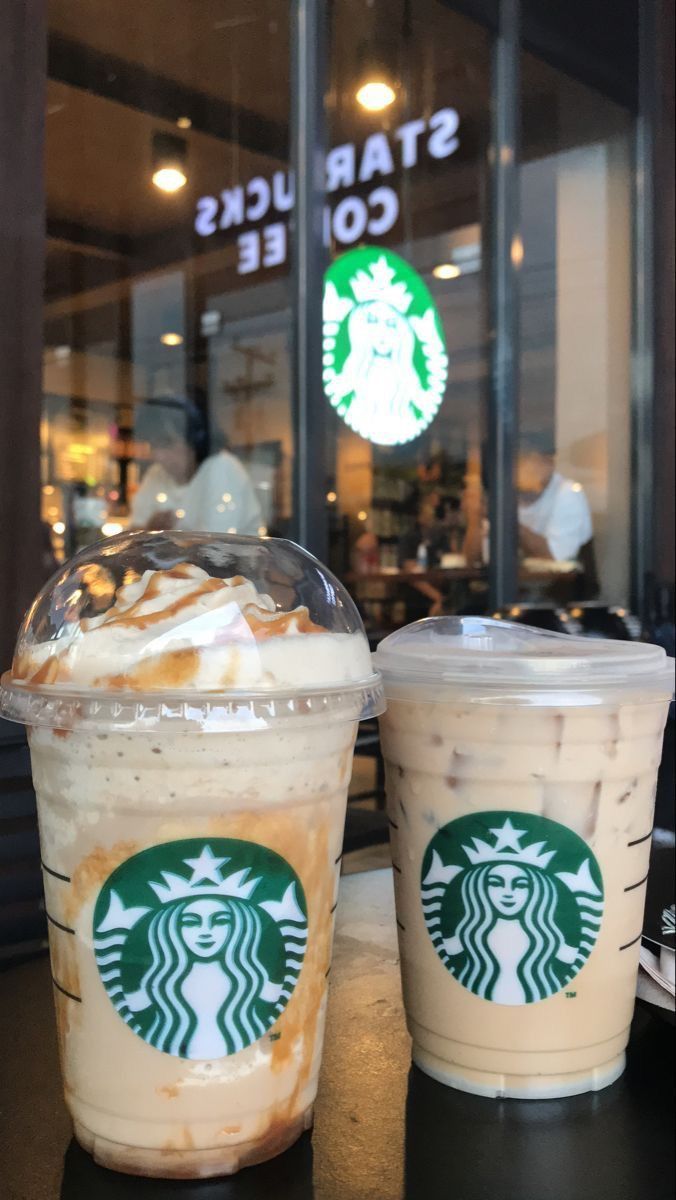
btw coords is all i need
(479, 653)
(134, 629)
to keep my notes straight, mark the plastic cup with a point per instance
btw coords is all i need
(192, 703)
(521, 769)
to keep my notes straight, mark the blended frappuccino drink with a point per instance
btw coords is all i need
(192, 704)
(521, 769)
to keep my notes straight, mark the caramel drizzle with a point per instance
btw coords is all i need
(278, 624)
(133, 617)
(173, 668)
(51, 671)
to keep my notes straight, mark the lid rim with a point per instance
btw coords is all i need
(153, 710)
(182, 695)
(463, 651)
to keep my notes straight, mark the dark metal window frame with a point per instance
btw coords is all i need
(308, 133)
(643, 325)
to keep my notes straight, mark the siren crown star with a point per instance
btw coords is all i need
(207, 879)
(377, 283)
(206, 866)
(508, 837)
(508, 848)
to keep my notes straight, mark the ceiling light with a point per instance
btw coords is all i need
(111, 528)
(446, 271)
(169, 179)
(169, 162)
(172, 339)
(375, 94)
(59, 527)
(184, 123)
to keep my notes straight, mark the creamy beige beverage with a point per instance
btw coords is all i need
(521, 772)
(191, 750)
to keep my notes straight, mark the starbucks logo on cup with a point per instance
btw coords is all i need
(199, 943)
(513, 904)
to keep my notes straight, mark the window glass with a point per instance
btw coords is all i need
(166, 362)
(404, 340)
(574, 463)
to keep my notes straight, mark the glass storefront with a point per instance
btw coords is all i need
(166, 367)
(168, 396)
(396, 488)
(575, 321)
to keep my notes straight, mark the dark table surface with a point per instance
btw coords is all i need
(383, 1131)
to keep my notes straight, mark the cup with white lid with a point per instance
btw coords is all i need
(192, 702)
(521, 769)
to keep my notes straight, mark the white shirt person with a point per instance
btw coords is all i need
(158, 493)
(221, 497)
(217, 496)
(561, 516)
(554, 516)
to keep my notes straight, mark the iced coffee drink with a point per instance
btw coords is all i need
(192, 705)
(521, 770)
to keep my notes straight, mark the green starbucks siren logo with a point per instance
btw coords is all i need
(513, 904)
(385, 362)
(199, 943)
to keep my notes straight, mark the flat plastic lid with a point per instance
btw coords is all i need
(139, 629)
(478, 653)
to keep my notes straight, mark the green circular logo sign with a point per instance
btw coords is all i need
(513, 904)
(385, 361)
(199, 943)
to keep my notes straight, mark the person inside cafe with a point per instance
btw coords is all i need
(420, 550)
(183, 489)
(554, 517)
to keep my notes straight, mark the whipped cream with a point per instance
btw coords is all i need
(185, 629)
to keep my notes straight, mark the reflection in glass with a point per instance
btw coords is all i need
(168, 198)
(396, 513)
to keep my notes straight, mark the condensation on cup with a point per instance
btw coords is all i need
(192, 703)
(521, 770)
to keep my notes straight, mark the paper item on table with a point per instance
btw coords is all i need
(658, 923)
(549, 566)
(668, 954)
(652, 965)
(652, 993)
